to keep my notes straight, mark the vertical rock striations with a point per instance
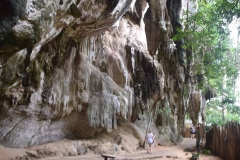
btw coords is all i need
(71, 69)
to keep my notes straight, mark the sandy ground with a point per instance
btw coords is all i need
(181, 153)
(122, 141)
(169, 152)
(178, 152)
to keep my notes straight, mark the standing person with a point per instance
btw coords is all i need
(150, 141)
(192, 132)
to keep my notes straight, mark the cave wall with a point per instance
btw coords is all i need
(73, 68)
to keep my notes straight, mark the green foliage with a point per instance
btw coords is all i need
(214, 116)
(206, 35)
(195, 156)
(164, 110)
(206, 151)
(228, 100)
(213, 56)
(187, 115)
(235, 110)
(214, 112)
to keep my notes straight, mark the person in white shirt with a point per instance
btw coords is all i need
(192, 132)
(150, 141)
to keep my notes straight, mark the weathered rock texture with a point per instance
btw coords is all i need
(74, 68)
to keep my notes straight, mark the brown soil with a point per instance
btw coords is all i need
(184, 151)
(123, 136)
(179, 153)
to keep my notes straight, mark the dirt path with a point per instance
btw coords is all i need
(167, 153)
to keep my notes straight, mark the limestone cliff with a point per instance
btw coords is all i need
(74, 68)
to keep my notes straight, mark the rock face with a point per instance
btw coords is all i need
(74, 68)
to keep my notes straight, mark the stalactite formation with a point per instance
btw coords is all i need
(73, 69)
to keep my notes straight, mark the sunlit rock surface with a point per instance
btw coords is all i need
(74, 68)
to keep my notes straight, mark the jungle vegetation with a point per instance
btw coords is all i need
(214, 55)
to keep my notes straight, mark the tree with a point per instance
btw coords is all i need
(214, 114)
(207, 40)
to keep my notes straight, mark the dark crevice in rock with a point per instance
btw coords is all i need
(60, 2)
(135, 15)
(74, 11)
(156, 35)
(136, 110)
(129, 55)
(25, 77)
(10, 12)
(174, 8)
(209, 94)
(145, 83)
(111, 4)
(78, 1)
(151, 84)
